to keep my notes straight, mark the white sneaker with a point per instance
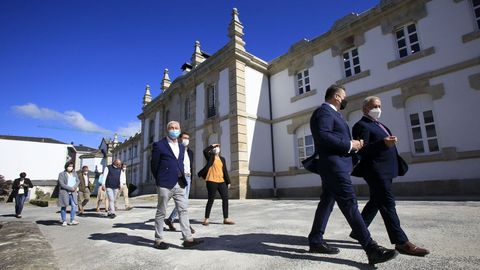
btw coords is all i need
(64, 223)
(73, 222)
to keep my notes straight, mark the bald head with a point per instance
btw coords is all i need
(117, 163)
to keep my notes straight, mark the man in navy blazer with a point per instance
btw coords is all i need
(333, 145)
(168, 170)
(379, 164)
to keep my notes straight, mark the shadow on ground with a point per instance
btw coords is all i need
(136, 225)
(279, 245)
(122, 238)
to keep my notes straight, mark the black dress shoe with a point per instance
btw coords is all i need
(170, 225)
(354, 236)
(379, 254)
(160, 245)
(192, 230)
(189, 244)
(324, 249)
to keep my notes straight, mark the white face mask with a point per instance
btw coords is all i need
(185, 142)
(375, 113)
(69, 169)
(216, 150)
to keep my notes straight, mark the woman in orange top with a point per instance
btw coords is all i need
(216, 176)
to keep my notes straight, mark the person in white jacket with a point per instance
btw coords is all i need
(123, 188)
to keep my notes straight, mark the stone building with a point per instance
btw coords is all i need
(424, 67)
(129, 153)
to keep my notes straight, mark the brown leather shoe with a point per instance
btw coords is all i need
(410, 249)
(228, 222)
(170, 225)
(191, 243)
(205, 223)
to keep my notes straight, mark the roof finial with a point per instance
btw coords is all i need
(147, 97)
(235, 30)
(197, 57)
(166, 80)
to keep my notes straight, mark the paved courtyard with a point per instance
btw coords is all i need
(269, 234)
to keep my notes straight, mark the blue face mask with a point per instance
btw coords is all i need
(173, 134)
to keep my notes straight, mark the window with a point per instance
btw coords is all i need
(351, 62)
(135, 151)
(187, 109)
(303, 82)
(407, 40)
(151, 131)
(124, 155)
(167, 117)
(129, 153)
(476, 11)
(305, 148)
(424, 133)
(211, 100)
(134, 177)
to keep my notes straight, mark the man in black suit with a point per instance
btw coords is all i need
(333, 146)
(379, 164)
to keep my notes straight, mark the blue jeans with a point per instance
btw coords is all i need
(174, 213)
(19, 202)
(73, 209)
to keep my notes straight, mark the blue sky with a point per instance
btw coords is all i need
(76, 71)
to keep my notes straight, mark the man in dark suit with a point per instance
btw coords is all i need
(188, 169)
(333, 145)
(379, 164)
(168, 170)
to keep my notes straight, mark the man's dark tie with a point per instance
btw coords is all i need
(382, 127)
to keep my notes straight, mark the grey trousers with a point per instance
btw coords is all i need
(181, 203)
(111, 194)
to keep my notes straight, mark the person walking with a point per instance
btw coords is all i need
(112, 185)
(216, 176)
(379, 164)
(188, 169)
(20, 189)
(68, 182)
(167, 165)
(83, 189)
(123, 188)
(333, 147)
(101, 193)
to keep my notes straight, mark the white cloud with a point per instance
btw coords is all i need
(71, 118)
(130, 129)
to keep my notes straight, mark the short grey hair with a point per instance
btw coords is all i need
(171, 123)
(369, 99)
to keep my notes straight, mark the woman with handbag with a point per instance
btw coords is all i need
(215, 174)
(68, 183)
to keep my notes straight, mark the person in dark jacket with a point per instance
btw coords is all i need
(379, 164)
(215, 174)
(112, 185)
(20, 189)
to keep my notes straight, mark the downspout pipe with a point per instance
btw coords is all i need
(271, 139)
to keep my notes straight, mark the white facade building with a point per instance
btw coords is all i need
(424, 67)
(42, 159)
